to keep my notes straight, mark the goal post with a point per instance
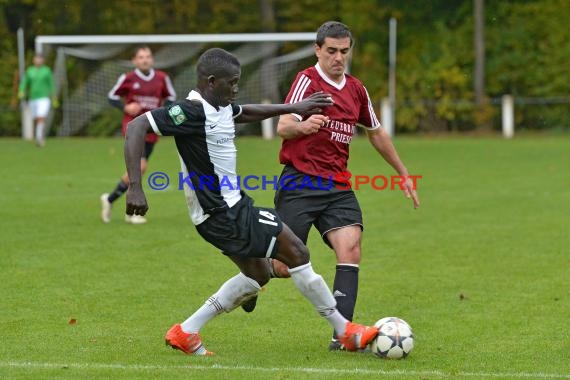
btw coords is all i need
(268, 60)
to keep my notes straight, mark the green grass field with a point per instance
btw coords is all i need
(481, 271)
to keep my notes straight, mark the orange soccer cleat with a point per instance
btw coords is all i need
(190, 344)
(357, 337)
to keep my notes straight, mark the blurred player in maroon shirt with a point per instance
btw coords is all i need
(317, 147)
(135, 93)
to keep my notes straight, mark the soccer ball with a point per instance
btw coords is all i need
(395, 338)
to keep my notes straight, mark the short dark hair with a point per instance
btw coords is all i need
(216, 62)
(333, 29)
(139, 48)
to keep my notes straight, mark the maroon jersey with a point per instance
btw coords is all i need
(149, 91)
(325, 153)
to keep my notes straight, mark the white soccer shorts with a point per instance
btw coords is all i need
(40, 107)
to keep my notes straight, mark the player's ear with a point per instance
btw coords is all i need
(211, 80)
(317, 50)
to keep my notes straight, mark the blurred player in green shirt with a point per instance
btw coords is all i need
(38, 88)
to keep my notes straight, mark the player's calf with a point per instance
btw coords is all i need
(276, 270)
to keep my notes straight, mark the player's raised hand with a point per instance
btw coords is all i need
(314, 104)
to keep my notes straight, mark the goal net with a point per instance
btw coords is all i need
(87, 67)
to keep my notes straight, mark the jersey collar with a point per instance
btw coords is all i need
(338, 86)
(141, 75)
(195, 95)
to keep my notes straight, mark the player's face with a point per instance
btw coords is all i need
(333, 56)
(226, 87)
(143, 60)
(38, 60)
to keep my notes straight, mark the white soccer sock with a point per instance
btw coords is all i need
(230, 295)
(317, 292)
(203, 315)
(40, 131)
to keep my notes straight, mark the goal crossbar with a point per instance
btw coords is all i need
(40, 41)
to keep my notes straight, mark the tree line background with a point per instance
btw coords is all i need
(526, 49)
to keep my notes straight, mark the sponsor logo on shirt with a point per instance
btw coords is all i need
(223, 140)
(177, 115)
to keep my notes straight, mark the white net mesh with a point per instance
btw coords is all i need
(264, 75)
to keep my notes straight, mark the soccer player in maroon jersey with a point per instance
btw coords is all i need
(318, 147)
(136, 92)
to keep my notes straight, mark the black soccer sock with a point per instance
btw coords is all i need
(345, 290)
(119, 190)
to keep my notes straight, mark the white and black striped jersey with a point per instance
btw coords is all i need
(204, 138)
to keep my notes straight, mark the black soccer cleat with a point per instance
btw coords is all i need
(249, 305)
(335, 345)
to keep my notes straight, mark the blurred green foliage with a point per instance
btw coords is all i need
(525, 47)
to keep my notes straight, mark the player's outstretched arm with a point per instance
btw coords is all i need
(134, 145)
(311, 105)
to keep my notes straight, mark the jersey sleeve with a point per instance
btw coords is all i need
(119, 89)
(367, 117)
(236, 110)
(300, 89)
(52, 89)
(168, 94)
(183, 118)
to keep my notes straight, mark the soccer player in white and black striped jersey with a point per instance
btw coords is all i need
(203, 126)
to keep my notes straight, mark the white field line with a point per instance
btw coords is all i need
(335, 371)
